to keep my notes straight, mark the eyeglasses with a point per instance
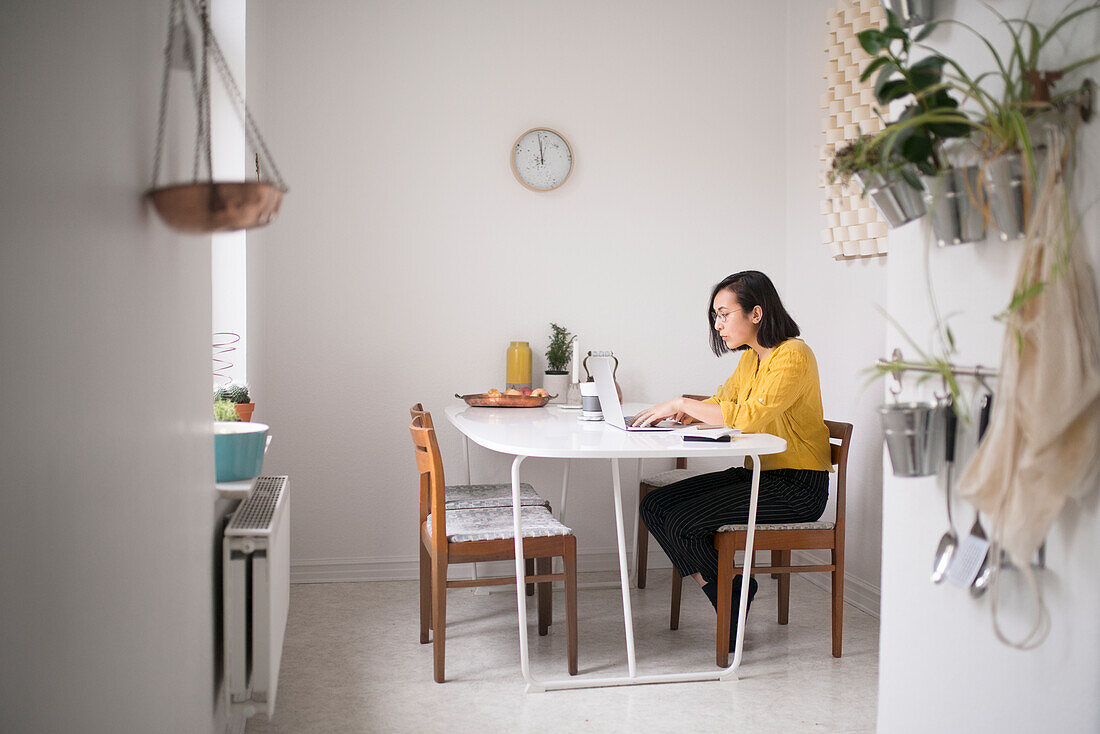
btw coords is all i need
(720, 318)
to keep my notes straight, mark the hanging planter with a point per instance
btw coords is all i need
(1012, 191)
(956, 199)
(894, 198)
(204, 205)
(914, 437)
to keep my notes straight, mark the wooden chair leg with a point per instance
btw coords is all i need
(642, 543)
(569, 561)
(425, 593)
(439, 615)
(674, 613)
(545, 589)
(726, 570)
(838, 603)
(529, 569)
(784, 587)
(777, 560)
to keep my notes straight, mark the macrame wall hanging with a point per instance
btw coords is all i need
(853, 228)
(203, 205)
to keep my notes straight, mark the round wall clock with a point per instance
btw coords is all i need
(542, 159)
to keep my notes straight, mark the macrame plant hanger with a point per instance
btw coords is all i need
(205, 205)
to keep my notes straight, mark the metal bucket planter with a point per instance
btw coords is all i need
(956, 199)
(914, 437)
(1012, 193)
(893, 197)
(910, 12)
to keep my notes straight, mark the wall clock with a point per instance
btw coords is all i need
(542, 159)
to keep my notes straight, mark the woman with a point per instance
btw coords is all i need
(775, 390)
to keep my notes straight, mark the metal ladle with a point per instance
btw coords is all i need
(985, 572)
(950, 540)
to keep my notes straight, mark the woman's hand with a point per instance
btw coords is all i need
(672, 409)
(681, 410)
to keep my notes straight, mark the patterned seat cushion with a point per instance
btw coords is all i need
(666, 478)
(469, 496)
(781, 526)
(495, 523)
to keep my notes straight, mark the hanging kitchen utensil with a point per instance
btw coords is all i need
(205, 205)
(945, 552)
(971, 560)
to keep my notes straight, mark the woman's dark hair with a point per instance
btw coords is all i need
(752, 288)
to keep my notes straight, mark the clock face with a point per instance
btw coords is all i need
(542, 159)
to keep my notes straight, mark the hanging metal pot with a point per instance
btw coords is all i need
(1012, 190)
(897, 201)
(910, 12)
(914, 437)
(956, 199)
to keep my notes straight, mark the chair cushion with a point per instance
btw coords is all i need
(781, 526)
(495, 523)
(468, 496)
(666, 478)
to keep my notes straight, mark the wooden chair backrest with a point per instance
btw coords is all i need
(841, 432)
(429, 463)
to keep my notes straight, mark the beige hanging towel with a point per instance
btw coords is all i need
(1043, 445)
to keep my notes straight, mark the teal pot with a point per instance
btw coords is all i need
(1012, 191)
(896, 201)
(956, 198)
(910, 12)
(238, 450)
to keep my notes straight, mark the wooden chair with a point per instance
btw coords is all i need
(470, 496)
(647, 485)
(781, 539)
(479, 534)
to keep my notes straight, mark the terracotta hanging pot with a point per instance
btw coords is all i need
(198, 208)
(244, 410)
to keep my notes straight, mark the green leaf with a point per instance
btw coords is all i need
(925, 32)
(917, 148)
(894, 89)
(872, 41)
(895, 32)
(911, 178)
(876, 64)
(1078, 64)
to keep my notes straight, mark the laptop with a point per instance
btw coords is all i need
(609, 399)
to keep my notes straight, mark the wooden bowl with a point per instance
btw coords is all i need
(484, 400)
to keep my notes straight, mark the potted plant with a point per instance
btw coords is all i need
(558, 353)
(237, 394)
(891, 184)
(930, 120)
(1012, 160)
(225, 411)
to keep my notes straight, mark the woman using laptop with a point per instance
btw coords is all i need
(774, 389)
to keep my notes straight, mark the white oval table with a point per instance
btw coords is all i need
(556, 433)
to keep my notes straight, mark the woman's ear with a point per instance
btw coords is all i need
(757, 315)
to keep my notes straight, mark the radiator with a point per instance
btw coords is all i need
(256, 594)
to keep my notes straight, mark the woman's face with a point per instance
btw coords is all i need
(736, 327)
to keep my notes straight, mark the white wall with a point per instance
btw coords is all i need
(407, 256)
(941, 666)
(107, 507)
(834, 303)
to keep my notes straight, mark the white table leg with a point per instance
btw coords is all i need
(624, 572)
(634, 537)
(564, 491)
(632, 679)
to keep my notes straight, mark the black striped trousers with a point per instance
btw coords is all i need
(684, 516)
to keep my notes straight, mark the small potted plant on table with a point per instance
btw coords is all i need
(558, 354)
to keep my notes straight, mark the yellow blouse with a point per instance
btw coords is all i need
(781, 396)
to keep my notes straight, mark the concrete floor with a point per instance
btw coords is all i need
(352, 662)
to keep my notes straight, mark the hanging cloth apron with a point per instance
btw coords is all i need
(1043, 446)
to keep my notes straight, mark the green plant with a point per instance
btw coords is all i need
(234, 393)
(931, 116)
(224, 411)
(560, 349)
